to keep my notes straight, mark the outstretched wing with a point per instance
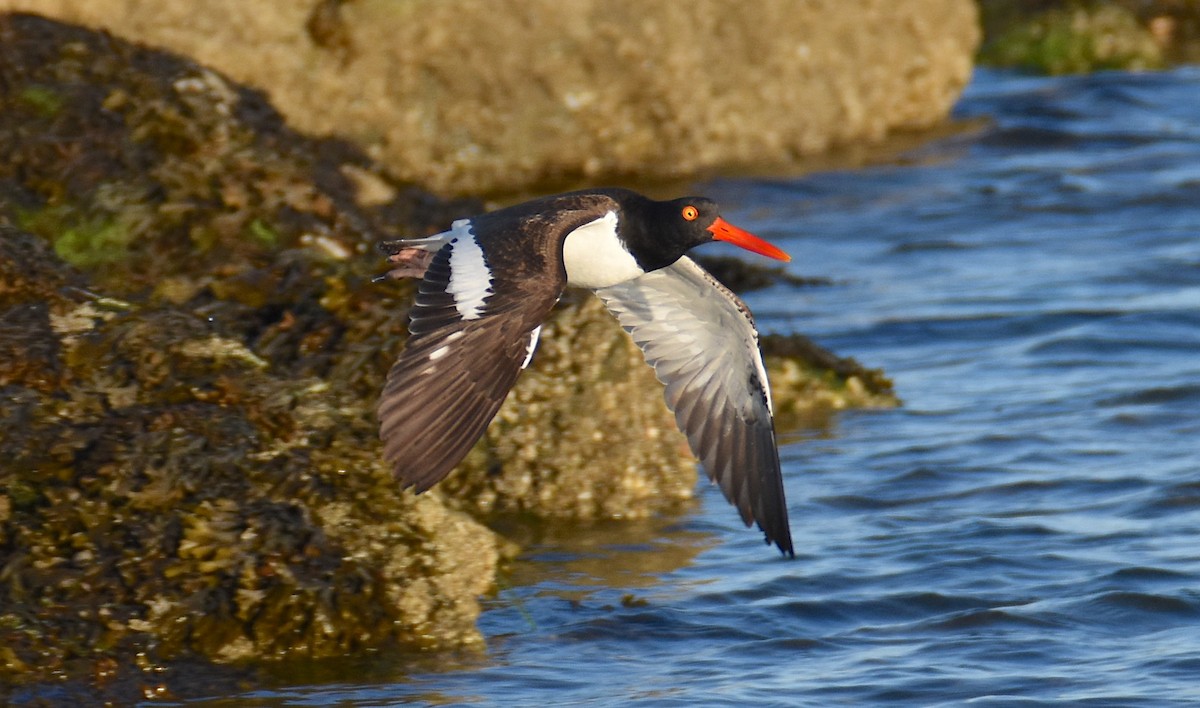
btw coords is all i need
(473, 328)
(701, 340)
(467, 344)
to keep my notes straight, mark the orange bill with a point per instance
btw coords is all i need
(722, 230)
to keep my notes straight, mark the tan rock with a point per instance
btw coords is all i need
(500, 95)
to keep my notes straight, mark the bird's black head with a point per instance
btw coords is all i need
(660, 232)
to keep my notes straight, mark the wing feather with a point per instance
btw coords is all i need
(454, 373)
(456, 369)
(701, 340)
(429, 422)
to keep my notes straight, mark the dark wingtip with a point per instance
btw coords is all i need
(784, 545)
(408, 481)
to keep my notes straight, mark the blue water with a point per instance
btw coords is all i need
(1025, 529)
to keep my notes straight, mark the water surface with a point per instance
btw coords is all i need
(1025, 529)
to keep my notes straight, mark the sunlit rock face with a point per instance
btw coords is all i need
(476, 96)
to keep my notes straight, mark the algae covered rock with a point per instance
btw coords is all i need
(189, 356)
(173, 495)
(1076, 38)
(1064, 36)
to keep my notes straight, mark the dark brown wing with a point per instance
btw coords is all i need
(453, 374)
(701, 341)
(472, 331)
(433, 411)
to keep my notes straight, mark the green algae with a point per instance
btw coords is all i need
(41, 99)
(263, 233)
(1076, 38)
(83, 241)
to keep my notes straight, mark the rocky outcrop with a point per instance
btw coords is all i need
(191, 346)
(500, 96)
(189, 351)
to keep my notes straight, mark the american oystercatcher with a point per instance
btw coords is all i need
(489, 282)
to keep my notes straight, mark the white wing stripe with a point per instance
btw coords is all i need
(534, 335)
(470, 278)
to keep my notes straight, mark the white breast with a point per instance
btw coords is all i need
(595, 257)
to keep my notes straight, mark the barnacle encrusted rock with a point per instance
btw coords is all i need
(190, 349)
(170, 494)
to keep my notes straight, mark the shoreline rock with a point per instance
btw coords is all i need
(191, 464)
(192, 349)
(503, 96)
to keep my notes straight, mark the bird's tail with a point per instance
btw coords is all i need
(411, 256)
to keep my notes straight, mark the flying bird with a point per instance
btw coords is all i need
(490, 281)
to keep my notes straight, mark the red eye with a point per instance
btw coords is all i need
(690, 213)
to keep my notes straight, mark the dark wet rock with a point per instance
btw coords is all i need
(29, 285)
(744, 276)
(28, 272)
